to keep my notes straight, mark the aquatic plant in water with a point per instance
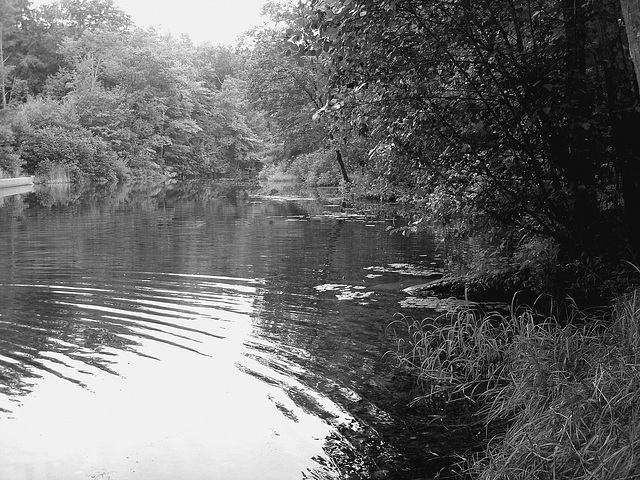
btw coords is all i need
(407, 269)
(345, 292)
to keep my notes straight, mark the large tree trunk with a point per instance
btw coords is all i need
(631, 15)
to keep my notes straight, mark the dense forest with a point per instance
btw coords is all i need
(86, 90)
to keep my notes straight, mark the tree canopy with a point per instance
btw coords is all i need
(527, 111)
(149, 103)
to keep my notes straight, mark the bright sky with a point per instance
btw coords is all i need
(216, 21)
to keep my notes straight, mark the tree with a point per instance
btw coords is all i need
(11, 13)
(293, 90)
(631, 15)
(89, 83)
(524, 109)
(158, 78)
(30, 39)
(73, 17)
(217, 63)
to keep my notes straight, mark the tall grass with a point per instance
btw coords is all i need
(52, 173)
(566, 398)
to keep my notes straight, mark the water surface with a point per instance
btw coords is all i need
(192, 332)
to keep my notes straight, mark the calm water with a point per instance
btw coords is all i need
(191, 332)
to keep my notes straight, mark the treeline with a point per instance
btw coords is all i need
(85, 91)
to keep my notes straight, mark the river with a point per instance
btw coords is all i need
(197, 332)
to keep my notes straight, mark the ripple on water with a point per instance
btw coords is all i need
(153, 376)
(118, 359)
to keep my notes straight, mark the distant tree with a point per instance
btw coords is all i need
(127, 97)
(73, 17)
(292, 90)
(31, 39)
(11, 16)
(217, 63)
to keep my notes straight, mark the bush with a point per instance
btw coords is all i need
(277, 173)
(78, 150)
(316, 169)
(54, 146)
(10, 161)
(143, 166)
(44, 112)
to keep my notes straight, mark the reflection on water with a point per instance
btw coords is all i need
(189, 332)
(15, 190)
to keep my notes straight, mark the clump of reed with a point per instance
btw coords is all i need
(53, 173)
(565, 397)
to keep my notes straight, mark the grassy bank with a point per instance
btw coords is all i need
(555, 401)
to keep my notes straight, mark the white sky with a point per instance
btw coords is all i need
(216, 21)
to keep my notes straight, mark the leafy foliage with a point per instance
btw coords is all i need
(520, 108)
(294, 95)
(134, 100)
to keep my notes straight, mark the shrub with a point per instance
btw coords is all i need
(143, 166)
(45, 112)
(56, 144)
(10, 161)
(82, 153)
(276, 173)
(316, 169)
